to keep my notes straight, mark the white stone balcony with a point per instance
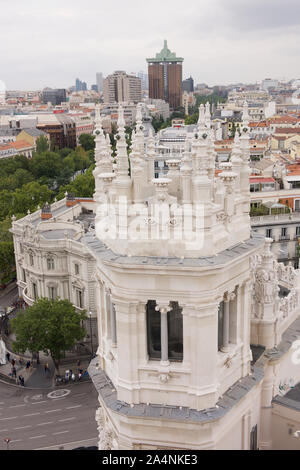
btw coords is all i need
(29, 301)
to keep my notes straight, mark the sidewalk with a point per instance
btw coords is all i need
(8, 289)
(5, 371)
(35, 377)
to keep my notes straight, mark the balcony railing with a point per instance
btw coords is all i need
(284, 237)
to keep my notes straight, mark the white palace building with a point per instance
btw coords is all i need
(197, 323)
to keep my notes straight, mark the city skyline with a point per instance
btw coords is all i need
(221, 44)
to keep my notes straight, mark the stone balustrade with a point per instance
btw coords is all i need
(288, 305)
(287, 275)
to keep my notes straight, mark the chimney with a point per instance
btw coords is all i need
(46, 212)
(70, 200)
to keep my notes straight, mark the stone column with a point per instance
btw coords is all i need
(113, 327)
(107, 327)
(164, 309)
(227, 299)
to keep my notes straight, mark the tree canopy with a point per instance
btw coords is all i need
(51, 326)
(87, 141)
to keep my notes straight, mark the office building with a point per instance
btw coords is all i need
(165, 77)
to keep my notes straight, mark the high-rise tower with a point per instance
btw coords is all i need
(165, 77)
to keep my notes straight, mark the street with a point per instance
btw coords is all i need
(48, 419)
(8, 296)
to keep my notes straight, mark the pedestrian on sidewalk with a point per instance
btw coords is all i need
(27, 364)
(21, 361)
(46, 368)
(21, 380)
(14, 372)
(13, 362)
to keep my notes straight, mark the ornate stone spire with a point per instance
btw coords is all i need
(139, 128)
(136, 163)
(99, 134)
(245, 116)
(102, 154)
(202, 190)
(211, 155)
(236, 152)
(245, 169)
(122, 181)
(201, 126)
(207, 115)
(186, 173)
(236, 160)
(122, 157)
(150, 155)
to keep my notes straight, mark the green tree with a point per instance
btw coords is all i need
(82, 186)
(87, 141)
(29, 197)
(47, 164)
(42, 144)
(5, 235)
(7, 259)
(193, 119)
(51, 326)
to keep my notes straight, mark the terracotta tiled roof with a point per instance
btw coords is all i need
(261, 179)
(283, 120)
(258, 124)
(287, 130)
(22, 144)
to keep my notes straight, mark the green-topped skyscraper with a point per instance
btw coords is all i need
(165, 77)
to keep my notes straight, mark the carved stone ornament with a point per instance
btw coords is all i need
(221, 216)
(164, 377)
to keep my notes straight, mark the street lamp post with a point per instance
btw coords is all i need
(90, 315)
(7, 440)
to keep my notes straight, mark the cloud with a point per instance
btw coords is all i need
(51, 43)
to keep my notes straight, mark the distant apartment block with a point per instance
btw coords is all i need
(120, 87)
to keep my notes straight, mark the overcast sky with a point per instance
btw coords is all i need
(52, 42)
